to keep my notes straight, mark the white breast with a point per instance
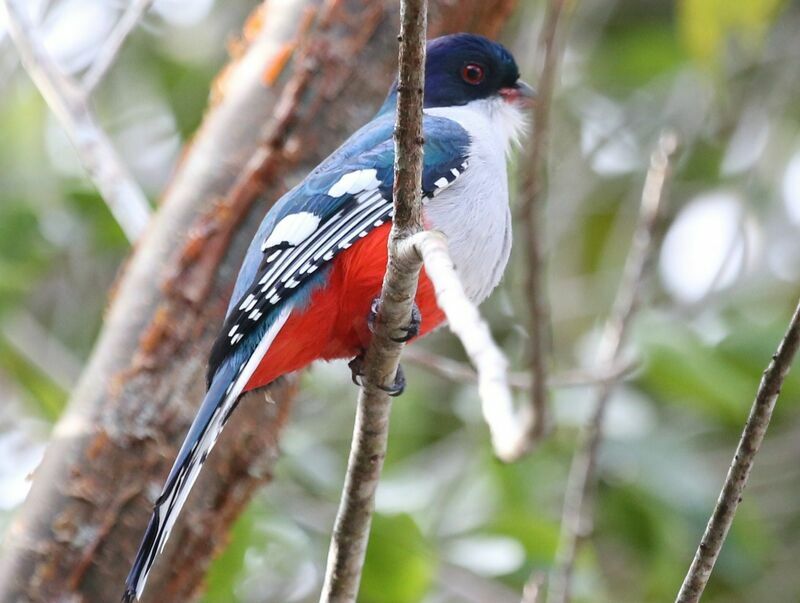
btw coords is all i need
(473, 212)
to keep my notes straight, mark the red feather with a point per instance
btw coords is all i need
(334, 323)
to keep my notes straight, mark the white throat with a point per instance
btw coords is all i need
(474, 212)
(489, 121)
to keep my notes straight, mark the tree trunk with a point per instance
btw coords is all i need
(307, 74)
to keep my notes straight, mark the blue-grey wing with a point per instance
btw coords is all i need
(341, 201)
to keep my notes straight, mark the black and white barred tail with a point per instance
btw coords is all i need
(220, 401)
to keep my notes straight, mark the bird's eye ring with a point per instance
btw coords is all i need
(473, 73)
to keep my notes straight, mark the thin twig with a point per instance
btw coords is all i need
(351, 529)
(534, 587)
(461, 584)
(460, 372)
(731, 494)
(582, 472)
(39, 347)
(109, 51)
(121, 193)
(533, 191)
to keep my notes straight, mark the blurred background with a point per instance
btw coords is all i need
(453, 524)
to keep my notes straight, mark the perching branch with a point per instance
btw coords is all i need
(533, 193)
(370, 433)
(749, 444)
(428, 248)
(582, 472)
(68, 102)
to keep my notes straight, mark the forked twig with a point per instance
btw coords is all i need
(582, 472)
(68, 102)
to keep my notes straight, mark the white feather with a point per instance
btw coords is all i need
(355, 182)
(170, 507)
(293, 229)
(473, 211)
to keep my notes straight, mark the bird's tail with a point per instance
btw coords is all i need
(214, 412)
(227, 385)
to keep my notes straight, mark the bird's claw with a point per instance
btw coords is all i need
(374, 307)
(356, 369)
(410, 331)
(399, 385)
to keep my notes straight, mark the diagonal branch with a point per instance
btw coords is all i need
(732, 490)
(582, 472)
(41, 349)
(497, 403)
(460, 372)
(120, 191)
(109, 51)
(533, 190)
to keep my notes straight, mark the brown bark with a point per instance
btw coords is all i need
(371, 430)
(534, 195)
(307, 75)
(755, 429)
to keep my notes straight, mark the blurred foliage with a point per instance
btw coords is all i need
(723, 74)
(708, 25)
(402, 572)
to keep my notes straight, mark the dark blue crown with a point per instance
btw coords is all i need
(447, 57)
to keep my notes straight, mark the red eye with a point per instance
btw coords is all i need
(472, 73)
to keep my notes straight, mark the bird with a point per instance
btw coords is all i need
(309, 283)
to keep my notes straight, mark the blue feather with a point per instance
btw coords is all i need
(371, 148)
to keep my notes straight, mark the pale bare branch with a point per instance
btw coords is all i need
(120, 191)
(582, 472)
(534, 587)
(749, 444)
(508, 431)
(109, 51)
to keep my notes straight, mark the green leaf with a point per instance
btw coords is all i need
(43, 396)
(400, 566)
(24, 253)
(630, 57)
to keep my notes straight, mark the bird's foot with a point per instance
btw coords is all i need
(357, 371)
(357, 368)
(399, 385)
(410, 331)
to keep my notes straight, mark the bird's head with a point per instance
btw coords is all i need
(468, 70)
(462, 68)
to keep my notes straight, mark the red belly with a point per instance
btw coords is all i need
(334, 322)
